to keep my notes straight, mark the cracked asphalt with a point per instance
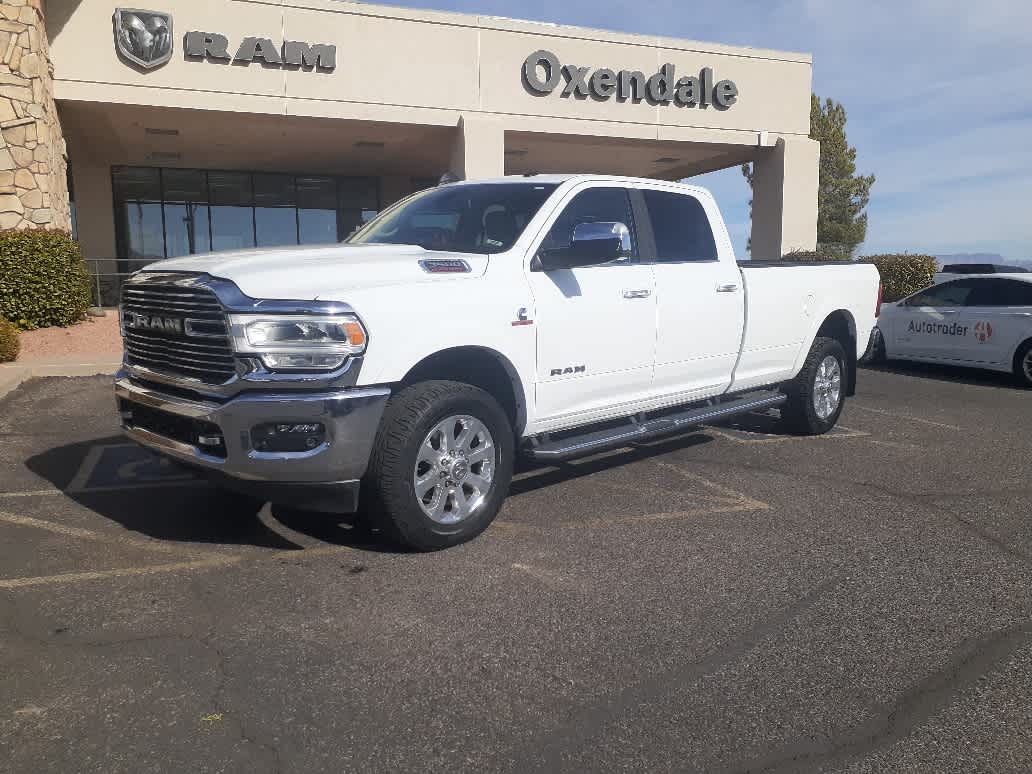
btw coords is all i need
(736, 600)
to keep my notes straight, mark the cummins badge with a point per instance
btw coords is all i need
(143, 37)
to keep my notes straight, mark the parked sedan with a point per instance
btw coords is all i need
(977, 321)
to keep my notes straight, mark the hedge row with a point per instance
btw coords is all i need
(43, 279)
(9, 344)
(903, 274)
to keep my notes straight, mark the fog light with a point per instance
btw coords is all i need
(287, 436)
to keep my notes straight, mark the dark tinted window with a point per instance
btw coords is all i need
(596, 205)
(680, 226)
(947, 294)
(465, 218)
(1001, 292)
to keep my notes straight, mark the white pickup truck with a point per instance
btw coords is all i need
(549, 316)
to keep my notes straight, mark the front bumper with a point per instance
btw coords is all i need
(174, 426)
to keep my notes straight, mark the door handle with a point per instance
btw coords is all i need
(946, 311)
(1017, 314)
(643, 293)
(727, 287)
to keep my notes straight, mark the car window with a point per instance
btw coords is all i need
(947, 294)
(680, 227)
(596, 205)
(985, 293)
(1002, 292)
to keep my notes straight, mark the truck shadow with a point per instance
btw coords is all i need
(167, 503)
(531, 476)
(945, 373)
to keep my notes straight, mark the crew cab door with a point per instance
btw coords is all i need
(596, 325)
(699, 295)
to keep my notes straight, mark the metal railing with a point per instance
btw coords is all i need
(107, 275)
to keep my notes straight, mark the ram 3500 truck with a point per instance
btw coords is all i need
(549, 316)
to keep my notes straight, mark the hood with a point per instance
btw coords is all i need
(321, 272)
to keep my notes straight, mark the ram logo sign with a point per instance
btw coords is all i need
(144, 38)
(153, 322)
(569, 370)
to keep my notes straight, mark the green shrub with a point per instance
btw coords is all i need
(43, 279)
(9, 344)
(820, 254)
(903, 274)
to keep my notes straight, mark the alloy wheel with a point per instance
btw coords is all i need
(827, 388)
(454, 469)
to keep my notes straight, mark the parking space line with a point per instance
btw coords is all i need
(33, 493)
(125, 572)
(646, 518)
(906, 418)
(85, 534)
(730, 494)
(850, 433)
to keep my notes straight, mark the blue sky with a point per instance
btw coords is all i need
(938, 92)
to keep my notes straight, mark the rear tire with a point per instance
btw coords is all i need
(441, 465)
(877, 355)
(1023, 365)
(816, 396)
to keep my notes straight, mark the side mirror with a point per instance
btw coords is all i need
(592, 244)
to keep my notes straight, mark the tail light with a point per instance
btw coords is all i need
(877, 308)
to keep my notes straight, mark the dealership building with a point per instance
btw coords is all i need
(218, 124)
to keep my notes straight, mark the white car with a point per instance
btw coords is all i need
(980, 321)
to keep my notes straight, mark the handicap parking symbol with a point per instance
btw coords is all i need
(108, 467)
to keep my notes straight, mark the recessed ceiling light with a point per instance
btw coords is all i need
(665, 160)
(369, 144)
(162, 132)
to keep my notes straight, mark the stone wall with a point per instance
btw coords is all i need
(33, 160)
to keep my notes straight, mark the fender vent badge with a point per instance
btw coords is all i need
(445, 266)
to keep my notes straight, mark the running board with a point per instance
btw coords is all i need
(591, 442)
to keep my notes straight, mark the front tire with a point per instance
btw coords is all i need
(441, 465)
(1023, 365)
(816, 396)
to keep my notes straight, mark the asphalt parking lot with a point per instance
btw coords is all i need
(731, 601)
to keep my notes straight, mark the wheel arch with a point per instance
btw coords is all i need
(1019, 351)
(841, 326)
(481, 367)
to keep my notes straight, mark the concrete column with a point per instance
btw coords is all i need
(784, 211)
(479, 150)
(33, 161)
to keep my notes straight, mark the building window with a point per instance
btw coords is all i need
(165, 213)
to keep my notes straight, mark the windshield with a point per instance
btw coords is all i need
(463, 218)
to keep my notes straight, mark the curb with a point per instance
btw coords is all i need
(13, 374)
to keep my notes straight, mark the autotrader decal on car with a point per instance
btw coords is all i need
(943, 329)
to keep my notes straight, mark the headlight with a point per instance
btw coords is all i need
(298, 342)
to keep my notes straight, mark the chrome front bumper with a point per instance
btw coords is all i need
(351, 417)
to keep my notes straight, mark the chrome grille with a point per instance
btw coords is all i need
(196, 344)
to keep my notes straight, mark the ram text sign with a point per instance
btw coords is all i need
(144, 39)
(543, 73)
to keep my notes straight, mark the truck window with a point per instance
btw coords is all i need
(680, 226)
(596, 205)
(462, 217)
